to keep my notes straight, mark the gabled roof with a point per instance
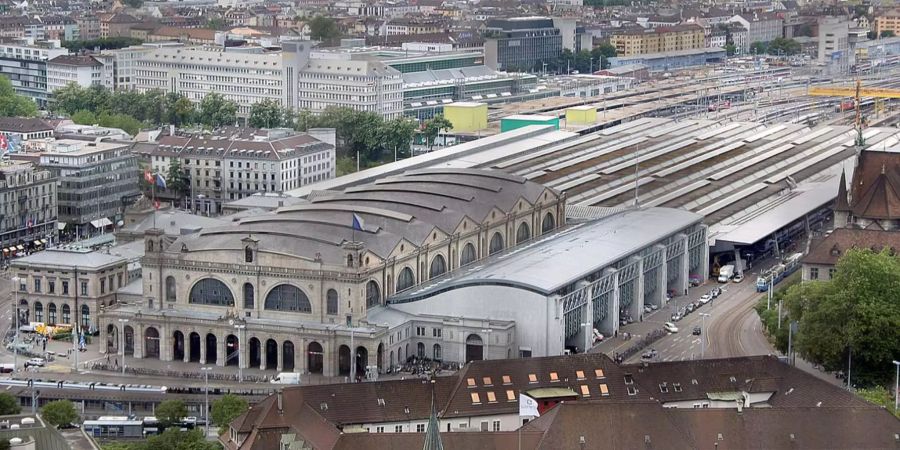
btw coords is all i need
(841, 202)
(832, 247)
(23, 125)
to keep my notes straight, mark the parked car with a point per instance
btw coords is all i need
(697, 330)
(654, 307)
(648, 309)
(705, 299)
(690, 307)
(36, 362)
(738, 277)
(650, 354)
(670, 327)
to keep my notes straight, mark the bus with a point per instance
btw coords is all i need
(118, 427)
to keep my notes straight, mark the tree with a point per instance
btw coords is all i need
(396, 136)
(324, 29)
(226, 409)
(601, 55)
(171, 439)
(215, 111)
(758, 48)
(178, 109)
(59, 413)
(108, 43)
(134, 3)
(783, 47)
(887, 34)
(170, 412)
(84, 117)
(9, 405)
(177, 179)
(855, 312)
(730, 49)
(266, 114)
(433, 128)
(215, 24)
(13, 104)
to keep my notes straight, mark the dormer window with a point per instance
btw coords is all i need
(349, 260)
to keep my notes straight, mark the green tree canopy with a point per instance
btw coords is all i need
(396, 136)
(324, 29)
(215, 111)
(856, 310)
(783, 47)
(267, 114)
(171, 439)
(177, 179)
(109, 43)
(887, 34)
(9, 405)
(226, 409)
(170, 412)
(59, 413)
(433, 128)
(13, 104)
(730, 49)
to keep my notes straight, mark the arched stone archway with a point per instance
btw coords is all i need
(314, 357)
(178, 346)
(129, 340)
(362, 360)
(474, 348)
(343, 360)
(194, 347)
(271, 354)
(112, 339)
(379, 358)
(151, 343)
(254, 349)
(232, 350)
(212, 347)
(287, 356)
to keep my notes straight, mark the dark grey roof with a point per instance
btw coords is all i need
(408, 206)
(22, 125)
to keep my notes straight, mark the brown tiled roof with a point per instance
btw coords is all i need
(122, 18)
(828, 250)
(21, 125)
(450, 441)
(842, 202)
(875, 193)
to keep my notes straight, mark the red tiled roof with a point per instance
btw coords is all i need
(828, 250)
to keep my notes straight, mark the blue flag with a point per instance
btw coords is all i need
(358, 223)
(160, 181)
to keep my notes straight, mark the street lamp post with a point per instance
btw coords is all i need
(206, 396)
(15, 288)
(353, 358)
(487, 354)
(897, 387)
(122, 331)
(703, 317)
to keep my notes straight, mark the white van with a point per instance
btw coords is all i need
(286, 378)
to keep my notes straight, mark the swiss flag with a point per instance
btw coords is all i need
(148, 176)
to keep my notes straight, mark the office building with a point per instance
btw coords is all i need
(521, 44)
(97, 180)
(887, 21)
(24, 62)
(642, 41)
(834, 34)
(244, 75)
(368, 86)
(124, 61)
(28, 196)
(761, 27)
(83, 70)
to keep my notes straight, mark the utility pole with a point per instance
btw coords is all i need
(15, 288)
(897, 387)
(206, 396)
(123, 322)
(75, 327)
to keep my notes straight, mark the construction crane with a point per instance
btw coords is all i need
(857, 92)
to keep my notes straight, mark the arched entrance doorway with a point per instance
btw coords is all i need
(271, 354)
(287, 353)
(254, 350)
(129, 340)
(474, 348)
(24, 312)
(112, 339)
(362, 360)
(211, 349)
(178, 346)
(314, 357)
(151, 343)
(232, 350)
(194, 347)
(343, 360)
(379, 358)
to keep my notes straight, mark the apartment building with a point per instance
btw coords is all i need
(521, 43)
(761, 27)
(83, 70)
(61, 27)
(97, 180)
(244, 75)
(887, 21)
(28, 205)
(230, 164)
(409, 25)
(24, 62)
(117, 25)
(642, 41)
(362, 85)
(124, 62)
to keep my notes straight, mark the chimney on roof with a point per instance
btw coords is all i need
(279, 395)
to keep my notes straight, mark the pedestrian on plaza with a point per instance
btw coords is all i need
(117, 362)
(107, 358)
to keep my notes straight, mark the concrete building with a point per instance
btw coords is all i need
(71, 286)
(229, 165)
(97, 180)
(24, 62)
(124, 62)
(834, 41)
(521, 43)
(243, 75)
(60, 27)
(887, 21)
(574, 37)
(83, 70)
(29, 208)
(641, 41)
(18, 130)
(761, 27)
(368, 86)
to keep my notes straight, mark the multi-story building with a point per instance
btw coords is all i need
(887, 21)
(97, 180)
(233, 164)
(642, 41)
(124, 61)
(521, 43)
(244, 75)
(24, 62)
(761, 27)
(83, 70)
(28, 197)
(574, 37)
(361, 85)
(19, 130)
(834, 36)
(410, 25)
(68, 286)
(117, 25)
(60, 27)
(88, 26)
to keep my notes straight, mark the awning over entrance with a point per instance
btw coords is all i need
(101, 222)
(20, 247)
(60, 225)
(38, 242)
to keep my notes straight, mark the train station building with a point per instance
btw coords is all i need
(432, 263)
